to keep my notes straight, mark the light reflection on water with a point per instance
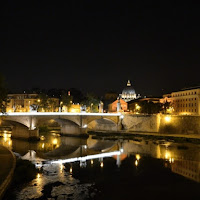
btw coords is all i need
(69, 186)
(182, 159)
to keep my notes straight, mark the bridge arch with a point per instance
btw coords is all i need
(102, 124)
(19, 130)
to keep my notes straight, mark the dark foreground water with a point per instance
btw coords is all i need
(131, 168)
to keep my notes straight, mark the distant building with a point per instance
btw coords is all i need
(75, 108)
(23, 102)
(118, 105)
(166, 98)
(128, 93)
(20, 102)
(185, 101)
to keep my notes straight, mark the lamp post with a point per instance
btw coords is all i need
(61, 106)
(91, 107)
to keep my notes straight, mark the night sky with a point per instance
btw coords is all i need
(96, 47)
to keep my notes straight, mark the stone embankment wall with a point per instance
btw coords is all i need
(173, 124)
(141, 123)
(5, 184)
(176, 124)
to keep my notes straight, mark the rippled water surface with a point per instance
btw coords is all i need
(120, 168)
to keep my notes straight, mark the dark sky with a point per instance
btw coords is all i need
(96, 47)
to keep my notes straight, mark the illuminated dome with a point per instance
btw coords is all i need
(128, 93)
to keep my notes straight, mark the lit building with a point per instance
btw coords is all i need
(128, 93)
(75, 108)
(184, 102)
(113, 107)
(20, 102)
(23, 102)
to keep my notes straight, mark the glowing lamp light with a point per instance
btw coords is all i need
(101, 164)
(136, 163)
(168, 119)
(167, 155)
(92, 162)
(137, 156)
(43, 145)
(70, 170)
(55, 141)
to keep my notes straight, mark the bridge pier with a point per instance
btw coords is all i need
(24, 133)
(73, 130)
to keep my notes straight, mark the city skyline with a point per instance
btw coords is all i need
(97, 47)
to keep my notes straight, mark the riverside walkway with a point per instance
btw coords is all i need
(7, 166)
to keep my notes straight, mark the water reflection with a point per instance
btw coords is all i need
(181, 158)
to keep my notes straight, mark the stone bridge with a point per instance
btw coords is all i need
(26, 125)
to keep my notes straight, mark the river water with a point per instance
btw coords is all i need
(108, 168)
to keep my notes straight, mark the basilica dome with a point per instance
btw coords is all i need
(128, 93)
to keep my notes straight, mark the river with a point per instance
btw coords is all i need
(108, 167)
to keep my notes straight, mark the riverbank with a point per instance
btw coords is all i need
(7, 167)
(195, 138)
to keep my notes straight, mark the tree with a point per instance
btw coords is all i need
(166, 106)
(66, 99)
(149, 107)
(3, 95)
(43, 102)
(92, 102)
(52, 105)
(77, 95)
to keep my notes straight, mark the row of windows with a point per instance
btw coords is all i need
(185, 110)
(185, 105)
(191, 99)
(184, 94)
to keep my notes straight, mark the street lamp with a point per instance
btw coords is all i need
(91, 107)
(61, 106)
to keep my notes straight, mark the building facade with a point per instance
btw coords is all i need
(118, 106)
(184, 102)
(24, 102)
(20, 102)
